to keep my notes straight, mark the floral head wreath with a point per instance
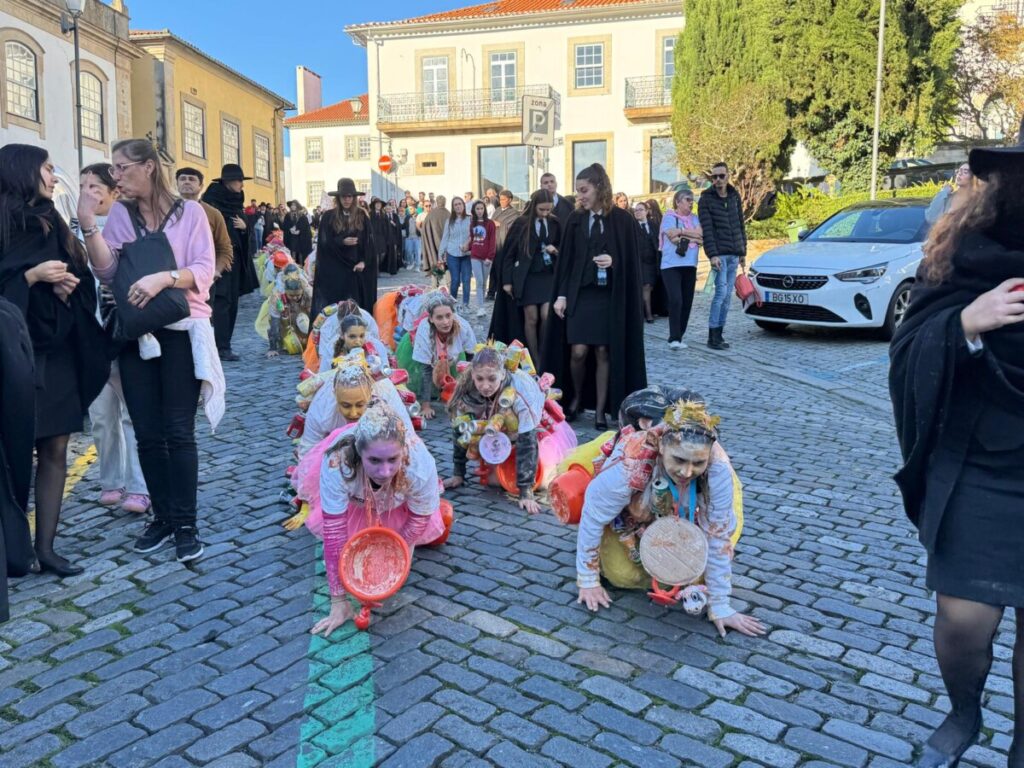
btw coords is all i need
(691, 417)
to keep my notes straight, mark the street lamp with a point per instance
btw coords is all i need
(70, 24)
(878, 100)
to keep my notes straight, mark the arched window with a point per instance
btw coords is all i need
(22, 81)
(91, 90)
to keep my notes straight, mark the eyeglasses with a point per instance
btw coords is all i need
(118, 168)
(719, 176)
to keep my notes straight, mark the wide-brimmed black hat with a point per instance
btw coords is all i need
(346, 188)
(232, 172)
(985, 160)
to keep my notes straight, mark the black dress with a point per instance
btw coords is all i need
(534, 274)
(589, 318)
(649, 254)
(960, 421)
(335, 279)
(299, 241)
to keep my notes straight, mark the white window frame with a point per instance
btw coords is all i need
(92, 107)
(504, 75)
(314, 193)
(224, 143)
(27, 86)
(588, 69)
(668, 60)
(436, 95)
(189, 129)
(261, 158)
(314, 149)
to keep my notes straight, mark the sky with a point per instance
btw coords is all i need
(266, 40)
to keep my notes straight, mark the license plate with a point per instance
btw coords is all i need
(785, 297)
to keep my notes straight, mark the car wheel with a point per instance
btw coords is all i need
(898, 306)
(770, 326)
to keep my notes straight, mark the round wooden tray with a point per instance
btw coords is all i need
(674, 551)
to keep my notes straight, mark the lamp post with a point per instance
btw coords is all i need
(878, 100)
(69, 23)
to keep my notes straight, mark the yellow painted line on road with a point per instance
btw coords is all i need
(75, 473)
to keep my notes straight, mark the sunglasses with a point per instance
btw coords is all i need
(719, 175)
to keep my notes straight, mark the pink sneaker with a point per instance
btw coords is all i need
(136, 502)
(112, 498)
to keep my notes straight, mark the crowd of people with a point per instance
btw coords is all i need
(123, 306)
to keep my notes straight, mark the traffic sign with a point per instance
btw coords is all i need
(538, 121)
(385, 164)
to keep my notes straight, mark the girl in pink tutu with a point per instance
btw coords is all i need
(374, 472)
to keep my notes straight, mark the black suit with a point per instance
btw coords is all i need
(563, 207)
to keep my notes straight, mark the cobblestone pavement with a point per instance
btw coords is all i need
(143, 661)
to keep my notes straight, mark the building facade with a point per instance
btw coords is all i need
(37, 79)
(202, 113)
(446, 93)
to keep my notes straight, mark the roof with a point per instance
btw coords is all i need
(891, 202)
(500, 8)
(339, 113)
(143, 36)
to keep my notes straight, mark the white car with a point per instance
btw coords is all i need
(854, 270)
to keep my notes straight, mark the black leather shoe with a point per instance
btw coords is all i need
(55, 564)
(600, 424)
(228, 356)
(934, 758)
(571, 414)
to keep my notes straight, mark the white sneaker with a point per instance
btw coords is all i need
(682, 345)
(481, 312)
(675, 345)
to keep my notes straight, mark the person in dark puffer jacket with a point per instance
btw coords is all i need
(725, 242)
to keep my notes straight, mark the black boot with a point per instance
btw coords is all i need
(722, 343)
(715, 339)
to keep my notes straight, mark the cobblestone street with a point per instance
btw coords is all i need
(143, 661)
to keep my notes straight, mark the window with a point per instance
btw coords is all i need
(314, 150)
(435, 82)
(903, 224)
(364, 147)
(261, 148)
(195, 129)
(363, 185)
(586, 153)
(668, 60)
(314, 193)
(231, 142)
(430, 164)
(664, 166)
(90, 92)
(503, 76)
(357, 147)
(506, 167)
(22, 82)
(590, 65)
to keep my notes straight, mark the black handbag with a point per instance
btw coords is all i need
(684, 244)
(148, 254)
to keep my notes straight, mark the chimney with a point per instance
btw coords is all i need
(308, 90)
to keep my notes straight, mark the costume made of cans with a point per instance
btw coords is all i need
(410, 505)
(631, 490)
(327, 328)
(288, 307)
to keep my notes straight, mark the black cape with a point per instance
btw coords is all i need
(241, 279)
(626, 350)
(300, 242)
(929, 360)
(334, 279)
(512, 267)
(17, 422)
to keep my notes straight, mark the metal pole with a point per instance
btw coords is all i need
(878, 101)
(78, 98)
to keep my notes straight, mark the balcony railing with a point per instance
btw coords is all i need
(647, 92)
(481, 104)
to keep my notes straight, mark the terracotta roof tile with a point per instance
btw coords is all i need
(340, 112)
(509, 8)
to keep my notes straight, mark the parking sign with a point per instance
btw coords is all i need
(538, 121)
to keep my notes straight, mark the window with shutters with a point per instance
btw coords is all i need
(91, 99)
(231, 142)
(314, 149)
(314, 193)
(194, 127)
(22, 81)
(261, 151)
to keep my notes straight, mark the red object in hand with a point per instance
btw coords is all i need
(297, 427)
(1018, 288)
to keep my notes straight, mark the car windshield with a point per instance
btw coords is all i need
(905, 224)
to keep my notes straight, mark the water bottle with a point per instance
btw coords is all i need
(544, 253)
(602, 277)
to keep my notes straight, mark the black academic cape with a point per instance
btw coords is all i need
(299, 241)
(241, 279)
(17, 422)
(393, 257)
(335, 279)
(513, 265)
(940, 392)
(563, 209)
(626, 350)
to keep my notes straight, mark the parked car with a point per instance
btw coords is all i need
(854, 270)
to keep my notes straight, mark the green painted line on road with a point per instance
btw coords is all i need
(340, 713)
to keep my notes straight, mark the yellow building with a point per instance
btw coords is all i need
(204, 114)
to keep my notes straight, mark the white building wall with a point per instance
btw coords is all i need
(58, 100)
(334, 166)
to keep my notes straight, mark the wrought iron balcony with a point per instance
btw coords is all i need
(648, 97)
(419, 112)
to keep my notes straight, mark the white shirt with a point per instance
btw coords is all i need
(529, 405)
(462, 340)
(330, 331)
(423, 495)
(323, 416)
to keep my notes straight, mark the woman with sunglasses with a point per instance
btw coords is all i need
(680, 241)
(950, 195)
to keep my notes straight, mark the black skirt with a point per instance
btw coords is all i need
(590, 322)
(649, 272)
(58, 403)
(978, 550)
(537, 289)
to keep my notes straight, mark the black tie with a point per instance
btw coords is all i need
(543, 231)
(595, 226)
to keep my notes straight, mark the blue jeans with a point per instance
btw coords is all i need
(412, 252)
(724, 280)
(462, 274)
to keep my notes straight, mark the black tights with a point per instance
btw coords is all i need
(578, 368)
(964, 631)
(51, 472)
(535, 321)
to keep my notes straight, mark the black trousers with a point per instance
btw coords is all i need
(680, 283)
(162, 395)
(224, 301)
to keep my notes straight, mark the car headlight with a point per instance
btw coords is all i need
(865, 275)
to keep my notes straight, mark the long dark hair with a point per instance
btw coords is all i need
(102, 171)
(654, 212)
(472, 211)
(340, 221)
(597, 176)
(455, 217)
(540, 197)
(20, 181)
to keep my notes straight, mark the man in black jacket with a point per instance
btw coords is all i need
(725, 242)
(563, 205)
